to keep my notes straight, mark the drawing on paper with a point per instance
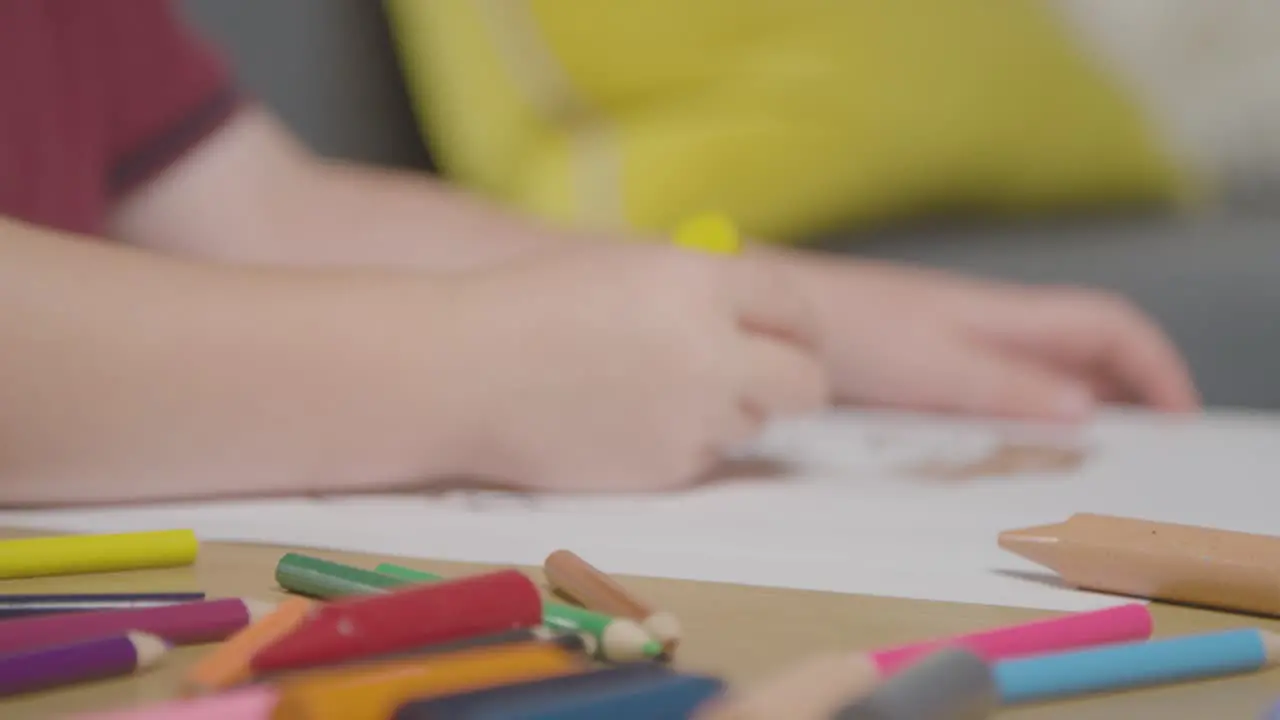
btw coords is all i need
(1005, 460)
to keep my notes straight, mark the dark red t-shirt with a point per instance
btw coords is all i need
(97, 97)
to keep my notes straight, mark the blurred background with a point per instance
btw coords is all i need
(1129, 145)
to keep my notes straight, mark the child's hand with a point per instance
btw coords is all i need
(924, 340)
(626, 367)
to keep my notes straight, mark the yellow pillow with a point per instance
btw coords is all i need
(794, 117)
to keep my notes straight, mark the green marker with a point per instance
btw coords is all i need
(325, 580)
(618, 639)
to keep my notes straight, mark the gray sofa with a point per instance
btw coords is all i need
(327, 68)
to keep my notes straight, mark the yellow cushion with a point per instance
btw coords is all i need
(794, 117)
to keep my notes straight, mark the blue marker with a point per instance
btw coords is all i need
(1134, 665)
(653, 697)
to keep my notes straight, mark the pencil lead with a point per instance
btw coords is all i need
(1036, 534)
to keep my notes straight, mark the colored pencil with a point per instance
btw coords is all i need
(950, 684)
(486, 700)
(253, 702)
(817, 687)
(616, 639)
(228, 664)
(642, 698)
(570, 642)
(412, 617)
(324, 579)
(72, 554)
(182, 624)
(1119, 624)
(595, 590)
(12, 606)
(1160, 561)
(524, 636)
(813, 689)
(72, 663)
(1134, 665)
(375, 692)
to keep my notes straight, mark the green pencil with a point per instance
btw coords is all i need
(325, 580)
(617, 639)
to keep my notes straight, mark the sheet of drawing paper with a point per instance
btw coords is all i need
(891, 505)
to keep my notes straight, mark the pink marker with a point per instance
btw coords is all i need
(256, 702)
(181, 624)
(1125, 623)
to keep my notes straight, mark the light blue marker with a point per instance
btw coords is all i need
(1133, 665)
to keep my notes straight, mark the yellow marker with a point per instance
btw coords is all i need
(709, 233)
(72, 554)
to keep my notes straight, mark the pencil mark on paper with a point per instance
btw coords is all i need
(1006, 459)
(953, 454)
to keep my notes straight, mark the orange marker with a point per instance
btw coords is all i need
(375, 692)
(228, 663)
(575, 577)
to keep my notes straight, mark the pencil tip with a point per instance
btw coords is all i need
(1037, 544)
(1270, 646)
(148, 648)
(1034, 535)
(258, 609)
(625, 640)
(664, 626)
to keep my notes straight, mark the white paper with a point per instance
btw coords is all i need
(848, 513)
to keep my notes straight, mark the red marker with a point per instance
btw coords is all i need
(407, 619)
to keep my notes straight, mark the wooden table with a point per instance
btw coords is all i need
(741, 633)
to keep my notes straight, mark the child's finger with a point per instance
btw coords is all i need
(1109, 335)
(781, 379)
(970, 379)
(767, 302)
(1144, 362)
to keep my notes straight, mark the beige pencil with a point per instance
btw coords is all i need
(1159, 561)
(810, 690)
(595, 590)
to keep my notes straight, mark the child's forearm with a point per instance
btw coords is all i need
(252, 194)
(130, 376)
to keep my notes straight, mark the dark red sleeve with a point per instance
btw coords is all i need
(166, 89)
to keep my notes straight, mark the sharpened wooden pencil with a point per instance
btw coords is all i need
(578, 579)
(1158, 561)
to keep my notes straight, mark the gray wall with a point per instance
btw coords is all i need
(326, 66)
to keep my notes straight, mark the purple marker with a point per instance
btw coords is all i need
(79, 662)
